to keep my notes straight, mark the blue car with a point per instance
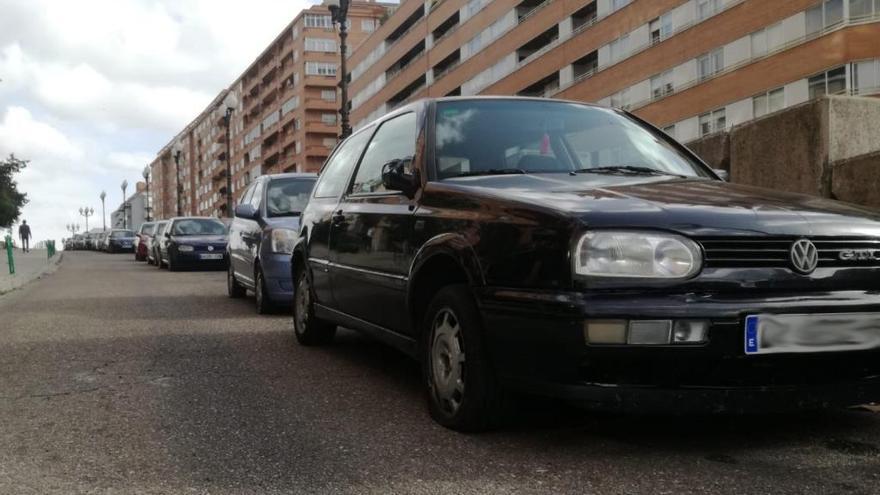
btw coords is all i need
(262, 235)
(192, 242)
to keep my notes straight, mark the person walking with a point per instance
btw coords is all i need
(24, 231)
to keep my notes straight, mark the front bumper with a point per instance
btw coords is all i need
(276, 272)
(193, 259)
(536, 342)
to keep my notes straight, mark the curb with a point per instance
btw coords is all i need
(49, 269)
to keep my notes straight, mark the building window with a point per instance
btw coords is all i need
(660, 28)
(318, 21)
(368, 25)
(707, 8)
(828, 83)
(767, 40)
(710, 64)
(328, 118)
(866, 77)
(320, 69)
(289, 105)
(769, 102)
(329, 142)
(824, 16)
(712, 122)
(621, 99)
(661, 84)
(619, 4)
(326, 45)
(863, 8)
(328, 94)
(618, 48)
(670, 131)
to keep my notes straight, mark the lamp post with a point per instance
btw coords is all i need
(176, 152)
(339, 15)
(87, 212)
(103, 212)
(124, 220)
(231, 103)
(147, 203)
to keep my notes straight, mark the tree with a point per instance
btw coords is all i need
(11, 201)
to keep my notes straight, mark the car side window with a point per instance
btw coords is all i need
(395, 140)
(246, 195)
(257, 197)
(334, 176)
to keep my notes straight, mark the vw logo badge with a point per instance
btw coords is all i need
(804, 256)
(210, 248)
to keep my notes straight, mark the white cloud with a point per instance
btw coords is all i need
(20, 133)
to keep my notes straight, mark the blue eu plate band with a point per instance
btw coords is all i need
(751, 334)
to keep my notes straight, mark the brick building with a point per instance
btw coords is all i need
(692, 67)
(286, 120)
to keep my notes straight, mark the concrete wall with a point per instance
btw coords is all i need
(857, 180)
(714, 150)
(855, 127)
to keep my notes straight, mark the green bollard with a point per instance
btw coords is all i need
(9, 255)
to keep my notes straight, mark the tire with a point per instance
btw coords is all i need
(463, 391)
(233, 288)
(159, 263)
(264, 304)
(172, 266)
(309, 329)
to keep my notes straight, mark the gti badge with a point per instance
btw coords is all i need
(804, 256)
(860, 255)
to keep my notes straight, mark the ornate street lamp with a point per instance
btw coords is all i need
(176, 152)
(147, 203)
(103, 211)
(231, 103)
(87, 212)
(124, 219)
(339, 14)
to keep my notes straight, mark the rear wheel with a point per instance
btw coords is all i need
(309, 329)
(463, 392)
(264, 304)
(233, 288)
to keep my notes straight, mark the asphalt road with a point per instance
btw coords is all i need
(116, 377)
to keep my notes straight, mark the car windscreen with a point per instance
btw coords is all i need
(475, 137)
(288, 196)
(149, 229)
(198, 226)
(121, 233)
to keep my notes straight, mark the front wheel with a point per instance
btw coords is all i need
(463, 392)
(309, 329)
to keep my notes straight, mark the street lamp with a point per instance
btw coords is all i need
(231, 103)
(147, 206)
(103, 212)
(176, 152)
(339, 15)
(124, 220)
(87, 212)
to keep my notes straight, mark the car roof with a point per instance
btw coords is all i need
(292, 175)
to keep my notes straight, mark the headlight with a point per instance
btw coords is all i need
(636, 255)
(184, 248)
(283, 240)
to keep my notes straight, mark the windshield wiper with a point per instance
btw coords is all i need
(286, 214)
(627, 169)
(493, 171)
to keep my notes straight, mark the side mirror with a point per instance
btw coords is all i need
(246, 211)
(395, 178)
(722, 174)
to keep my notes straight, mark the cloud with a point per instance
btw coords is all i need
(21, 134)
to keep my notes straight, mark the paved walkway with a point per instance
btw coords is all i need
(28, 266)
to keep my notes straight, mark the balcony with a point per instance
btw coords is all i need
(542, 88)
(537, 45)
(446, 28)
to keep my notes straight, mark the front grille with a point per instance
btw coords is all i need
(774, 252)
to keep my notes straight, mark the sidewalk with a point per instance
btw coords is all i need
(28, 267)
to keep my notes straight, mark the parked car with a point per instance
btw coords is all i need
(153, 247)
(575, 251)
(142, 242)
(262, 235)
(119, 240)
(91, 241)
(79, 241)
(193, 242)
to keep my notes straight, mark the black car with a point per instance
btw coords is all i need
(190, 242)
(575, 251)
(262, 236)
(120, 240)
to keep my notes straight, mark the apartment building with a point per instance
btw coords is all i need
(691, 67)
(285, 121)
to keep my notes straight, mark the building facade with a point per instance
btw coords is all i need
(691, 67)
(133, 212)
(286, 119)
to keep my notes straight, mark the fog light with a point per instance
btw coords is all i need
(690, 331)
(606, 332)
(649, 332)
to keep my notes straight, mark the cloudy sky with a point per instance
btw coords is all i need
(90, 90)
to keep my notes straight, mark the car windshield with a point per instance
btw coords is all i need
(288, 197)
(148, 229)
(198, 226)
(121, 233)
(491, 137)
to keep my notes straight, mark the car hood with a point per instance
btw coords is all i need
(199, 239)
(699, 207)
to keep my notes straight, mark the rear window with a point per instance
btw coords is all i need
(288, 197)
(121, 233)
(160, 227)
(198, 226)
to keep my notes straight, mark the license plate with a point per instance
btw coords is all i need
(805, 333)
(215, 256)
(126, 244)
